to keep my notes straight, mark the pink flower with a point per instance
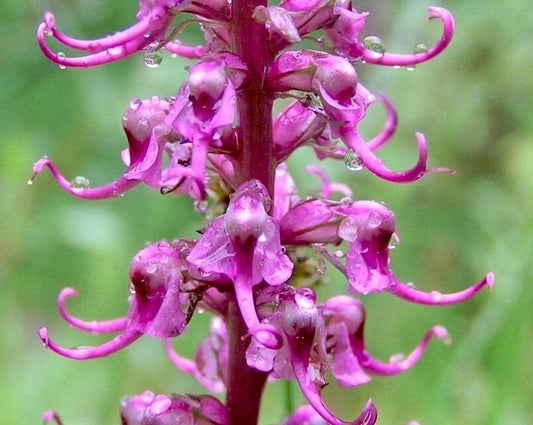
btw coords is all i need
(158, 306)
(244, 245)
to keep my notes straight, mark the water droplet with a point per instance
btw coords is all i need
(147, 34)
(116, 52)
(394, 241)
(410, 285)
(151, 268)
(397, 358)
(410, 68)
(396, 66)
(339, 254)
(349, 229)
(283, 250)
(374, 43)
(374, 219)
(435, 296)
(353, 161)
(79, 182)
(420, 48)
(62, 56)
(153, 56)
(30, 181)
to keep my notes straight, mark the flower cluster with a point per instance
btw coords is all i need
(263, 251)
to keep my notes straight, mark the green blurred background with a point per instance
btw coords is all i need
(474, 105)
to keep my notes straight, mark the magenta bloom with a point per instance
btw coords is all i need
(368, 228)
(156, 307)
(150, 409)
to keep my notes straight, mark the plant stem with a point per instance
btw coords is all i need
(245, 385)
(250, 41)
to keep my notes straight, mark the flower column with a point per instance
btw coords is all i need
(246, 384)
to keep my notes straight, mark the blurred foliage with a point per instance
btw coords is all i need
(474, 105)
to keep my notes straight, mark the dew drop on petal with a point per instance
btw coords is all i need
(397, 358)
(62, 56)
(151, 268)
(394, 241)
(374, 43)
(353, 161)
(435, 296)
(339, 254)
(79, 182)
(152, 58)
(420, 48)
(410, 68)
(374, 219)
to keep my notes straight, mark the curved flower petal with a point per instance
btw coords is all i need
(390, 126)
(353, 141)
(94, 326)
(395, 59)
(84, 353)
(150, 28)
(327, 186)
(408, 293)
(209, 366)
(51, 415)
(111, 190)
(394, 366)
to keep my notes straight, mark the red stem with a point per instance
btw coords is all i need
(254, 105)
(245, 385)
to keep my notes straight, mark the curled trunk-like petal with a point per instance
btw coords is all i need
(406, 292)
(396, 59)
(84, 353)
(93, 326)
(151, 28)
(354, 142)
(157, 306)
(51, 415)
(209, 366)
(147, 136)
(395, 365)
